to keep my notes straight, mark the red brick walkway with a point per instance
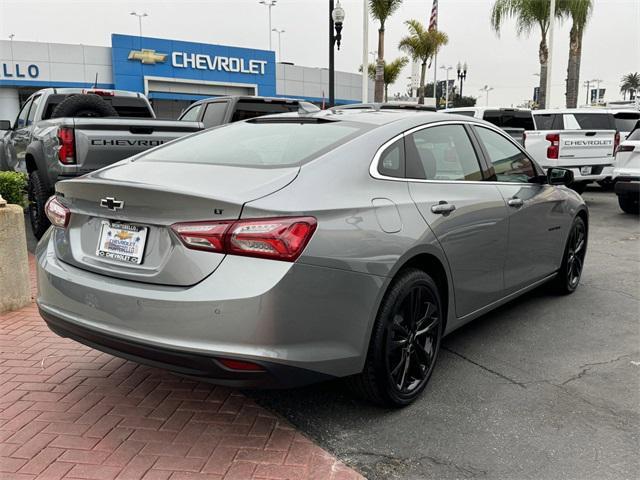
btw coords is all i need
(67, 411)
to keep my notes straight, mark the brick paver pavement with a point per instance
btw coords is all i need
(68, 411)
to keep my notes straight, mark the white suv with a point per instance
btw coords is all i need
(626, 172)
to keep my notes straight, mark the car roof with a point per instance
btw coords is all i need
(292, 101)
(482, 109)
(119, 93)
(549, 111)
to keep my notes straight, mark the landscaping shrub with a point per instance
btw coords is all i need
(13, 187)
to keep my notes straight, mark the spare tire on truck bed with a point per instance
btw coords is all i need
(84, 105)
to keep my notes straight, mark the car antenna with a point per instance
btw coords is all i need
(95, 83)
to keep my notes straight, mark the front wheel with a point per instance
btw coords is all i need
(404, 343)
(575, 251)
(38, 194)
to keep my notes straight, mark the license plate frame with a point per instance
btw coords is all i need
(585, 170)
(128, 248)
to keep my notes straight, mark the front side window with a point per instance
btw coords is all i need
(214, 114)
(509, 163)
(32, 110)
(441, 153)
(391, 163)
(21, 121)
(191, 115)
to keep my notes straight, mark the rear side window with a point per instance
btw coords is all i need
(214, 114)
(259, 144)
(191, 115)
(506, 118)
(509, 163)
(441, 153)
(635, 135)
(391, 163)
(251, 109)
(548, 121)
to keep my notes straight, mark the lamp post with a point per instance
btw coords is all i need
(336, 18)
(140, 17)
(269, 4)
(486, 89)
(446, 85)
(462, 74)
(279, 32)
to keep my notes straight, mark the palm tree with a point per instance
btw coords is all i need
(528, 14)
(579, 11)
(381, 10)
(392, 71)
(422, 44)
(630, 83)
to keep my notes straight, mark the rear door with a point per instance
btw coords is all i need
(536, 212)
(467, 215)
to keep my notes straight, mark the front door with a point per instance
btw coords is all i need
(19, 140)
(537, 217)
(467, 215)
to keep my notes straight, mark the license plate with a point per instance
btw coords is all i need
(585, 170)
(122, 242)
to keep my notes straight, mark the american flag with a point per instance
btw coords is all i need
(433, 21)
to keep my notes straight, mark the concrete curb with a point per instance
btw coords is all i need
(15, 291)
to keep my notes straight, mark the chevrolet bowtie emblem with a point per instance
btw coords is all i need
(147, 56)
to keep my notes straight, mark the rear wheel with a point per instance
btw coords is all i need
(606, 185)
(579, 187)
(38, 194)
(570, 272)
(404, 343)
(629, 204)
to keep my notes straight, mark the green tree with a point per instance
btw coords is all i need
(381, 10)
(579, 11)
(392, 71)
(422, 44)
(630, 83)
(528, 14)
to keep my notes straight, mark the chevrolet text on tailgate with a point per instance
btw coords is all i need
(67, 132)
(583, 140)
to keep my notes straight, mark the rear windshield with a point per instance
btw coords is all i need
(514, 119)
(594, 121)
(548, 121)
(125, 106)
(259, 144)
(252, 109)
(626, 121)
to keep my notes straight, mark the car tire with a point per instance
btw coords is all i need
(579, 187)
(84, 105)
(38, 194)
(568, 277)
(405, 342)
(606, 185)
(629, 204)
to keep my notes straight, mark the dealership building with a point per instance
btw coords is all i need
(172, 73)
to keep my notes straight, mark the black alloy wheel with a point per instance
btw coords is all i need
(577, 248)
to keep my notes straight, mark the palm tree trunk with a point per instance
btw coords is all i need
(386, 92)
(573, 67)
(543, 55)
(423, 72)
(379, 84)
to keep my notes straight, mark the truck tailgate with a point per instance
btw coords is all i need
(595, 145)
(101, 142)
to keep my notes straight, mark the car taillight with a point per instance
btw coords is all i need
(57, 213)
(616, 142)
(553, 150)
(273, 238)
(66, 149)
(625, 148)
(102, 93)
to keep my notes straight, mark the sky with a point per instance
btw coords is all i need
(507, 63)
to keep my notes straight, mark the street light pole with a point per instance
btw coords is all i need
(279, 32)
(140, 17)
(269, 4)
(552, 19)
(446, 85)
(365, 48)
(462, 74)
(486, 89)
(336, 17)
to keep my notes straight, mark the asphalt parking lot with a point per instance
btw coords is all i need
(546, 387)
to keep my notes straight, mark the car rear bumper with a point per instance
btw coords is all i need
(596, 174)
(627, 186)
(300, 322)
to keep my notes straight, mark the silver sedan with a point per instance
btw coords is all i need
(296, 248)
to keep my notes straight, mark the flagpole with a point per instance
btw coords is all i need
(435, 78)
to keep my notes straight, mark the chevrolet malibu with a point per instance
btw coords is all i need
(296, 248)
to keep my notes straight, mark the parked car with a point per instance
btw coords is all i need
(514, 121)
(387, 106)
(216, 111)
(626, 172)
(296, 248)
(57, 135)
(583, 140)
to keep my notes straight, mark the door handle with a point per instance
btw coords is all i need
(443, 208)
(515, 202)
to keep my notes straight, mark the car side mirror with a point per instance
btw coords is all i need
(559, 176)
(5, 124)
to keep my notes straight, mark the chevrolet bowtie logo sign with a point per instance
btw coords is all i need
(147, 56)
